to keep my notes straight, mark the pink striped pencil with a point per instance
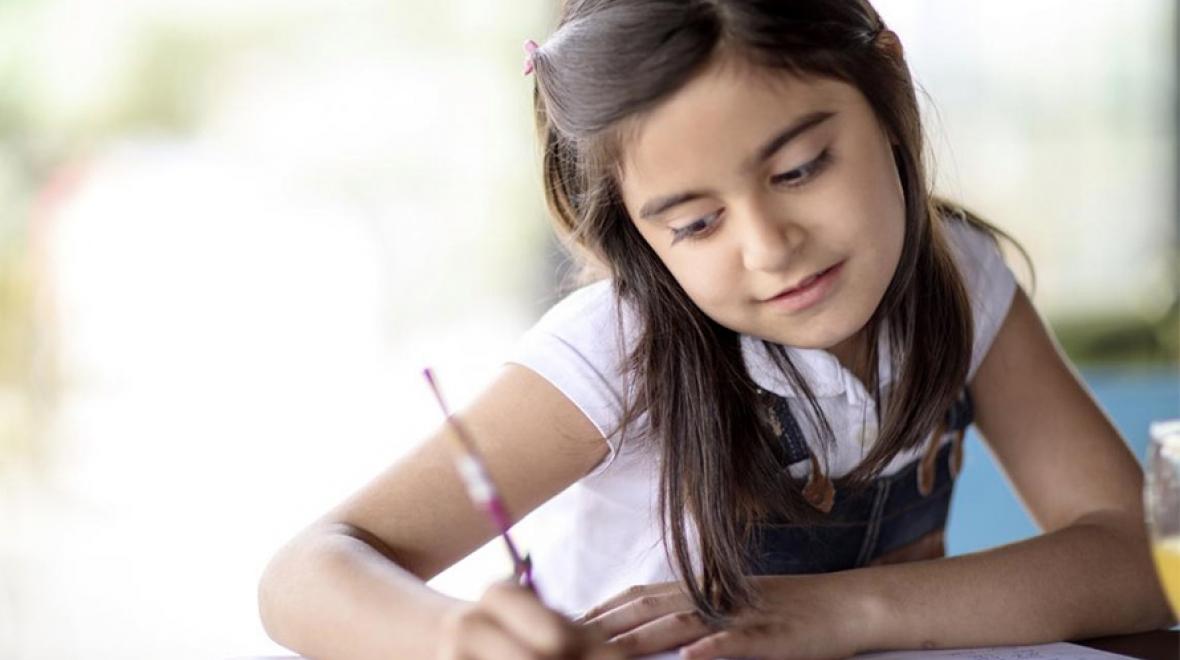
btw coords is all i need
(480, 487)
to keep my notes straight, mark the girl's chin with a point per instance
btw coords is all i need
(823, 333)
(827, 331)
(833, 343)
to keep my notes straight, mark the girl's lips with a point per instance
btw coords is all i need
(808, 292)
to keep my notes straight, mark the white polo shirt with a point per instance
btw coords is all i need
(602, 532)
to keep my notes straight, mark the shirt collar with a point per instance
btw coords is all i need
(823, 372)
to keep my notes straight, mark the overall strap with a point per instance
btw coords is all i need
(957, 419)
(819, 490)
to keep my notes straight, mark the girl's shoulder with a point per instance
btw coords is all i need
(579, 345)
(594, 302)
(987, 279)
(592, 321)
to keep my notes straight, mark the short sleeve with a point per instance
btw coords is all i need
(989, 282)
(579, 347)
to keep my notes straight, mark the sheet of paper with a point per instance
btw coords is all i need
(1058, 651)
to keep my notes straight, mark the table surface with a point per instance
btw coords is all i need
(1154, 645)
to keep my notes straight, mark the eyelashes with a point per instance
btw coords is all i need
(695, 229)
(792, 179)
(804, 172)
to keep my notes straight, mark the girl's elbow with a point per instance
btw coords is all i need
(272, 585)
(277, 588)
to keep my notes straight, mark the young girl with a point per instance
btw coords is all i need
(752, 422)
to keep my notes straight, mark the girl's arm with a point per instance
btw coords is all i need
(351, 584)
(1090, 574)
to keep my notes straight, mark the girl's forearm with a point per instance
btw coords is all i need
(328, 594)
(1090, 579)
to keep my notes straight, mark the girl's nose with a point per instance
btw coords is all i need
(768, 242)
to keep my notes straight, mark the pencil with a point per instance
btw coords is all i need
(479, 485)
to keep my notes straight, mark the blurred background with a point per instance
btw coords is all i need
(231, 234)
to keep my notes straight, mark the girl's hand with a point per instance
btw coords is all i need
(508, 622)
(804, 616)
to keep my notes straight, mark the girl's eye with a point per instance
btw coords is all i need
(796, 177)
(695, 229)
(803, 173)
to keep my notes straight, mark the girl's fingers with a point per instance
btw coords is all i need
(630, 593)
(667, 632)
(542, 630)
(606, 653)
(710, 647)
(625, 596)
(636, 613)
(753, 641)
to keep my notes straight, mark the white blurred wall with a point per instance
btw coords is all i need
(241, 308)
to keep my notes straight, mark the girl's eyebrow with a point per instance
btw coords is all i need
(801, 125)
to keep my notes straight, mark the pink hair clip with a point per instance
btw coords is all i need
(530, 47)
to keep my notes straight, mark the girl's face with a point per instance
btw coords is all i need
(749, 184)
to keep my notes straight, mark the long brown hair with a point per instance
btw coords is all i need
(612, 59)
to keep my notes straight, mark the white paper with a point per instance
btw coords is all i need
(1057, 651)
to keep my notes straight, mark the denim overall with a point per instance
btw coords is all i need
(889, 521)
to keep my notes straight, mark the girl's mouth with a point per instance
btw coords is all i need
(810, 291)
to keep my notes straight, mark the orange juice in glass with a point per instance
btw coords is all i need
(1161, 498)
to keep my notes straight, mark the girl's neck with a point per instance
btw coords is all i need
(852, 354)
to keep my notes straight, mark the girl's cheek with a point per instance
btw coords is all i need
(712, 294)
